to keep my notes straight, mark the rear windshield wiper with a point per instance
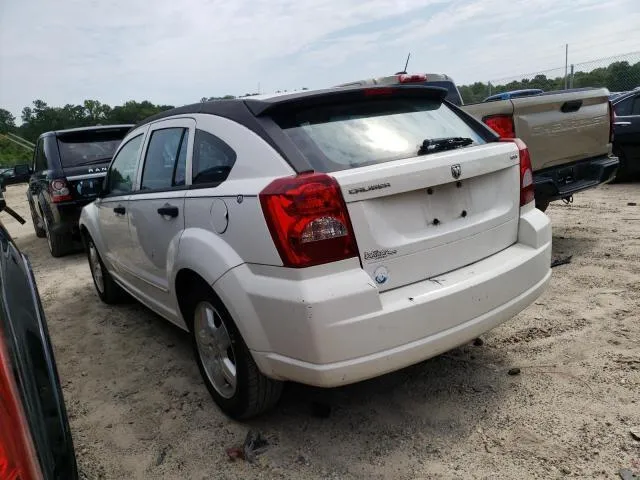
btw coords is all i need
(97, 160)
(441, 144)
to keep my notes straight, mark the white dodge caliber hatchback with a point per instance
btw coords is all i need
(322, 237)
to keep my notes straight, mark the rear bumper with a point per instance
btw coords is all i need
(564, 180)
(336, 329)
(65, 217)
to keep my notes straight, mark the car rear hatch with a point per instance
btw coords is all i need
(415, 215)
(85, 156)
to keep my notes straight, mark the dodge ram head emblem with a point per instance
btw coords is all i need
(456, 171)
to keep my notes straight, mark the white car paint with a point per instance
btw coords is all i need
(334, 324)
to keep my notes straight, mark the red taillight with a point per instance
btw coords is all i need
(308, 220)
(418, 78)
(527, 191)
(502, 125)
(377, 91)
(17, 455)
(59, 191)
(612, 121)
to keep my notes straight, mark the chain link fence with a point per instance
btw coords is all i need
(618, 73)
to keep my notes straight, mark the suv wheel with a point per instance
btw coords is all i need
(37, 223)
(226, 365)
(56, 241)
(108, 290)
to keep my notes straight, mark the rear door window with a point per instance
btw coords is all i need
(89, 147)
(636, 106)
(624, 107)
(350, 135)
(164, 165)
(212, 160)
(41, 160)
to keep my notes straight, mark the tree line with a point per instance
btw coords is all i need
(40, 117)
(617, 77)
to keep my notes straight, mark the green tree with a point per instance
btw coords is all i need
(7, 121)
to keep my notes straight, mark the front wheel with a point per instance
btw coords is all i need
(227, 367)
(108, 290)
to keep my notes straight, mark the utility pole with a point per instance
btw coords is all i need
(566, 65)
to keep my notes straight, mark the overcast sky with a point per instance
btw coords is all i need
(175, 52)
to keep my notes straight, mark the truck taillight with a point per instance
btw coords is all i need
(501, 124)
(17, 455)
(527, 190)
(612, 121)
(308, 220)
(59, 191)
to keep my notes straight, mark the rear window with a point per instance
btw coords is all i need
(351, 135)
(86, 148)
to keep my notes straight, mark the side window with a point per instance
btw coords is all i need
(123, 167)
(212, 159)
(623, 108)
(40, 163)
(165, 162)
(636, 106)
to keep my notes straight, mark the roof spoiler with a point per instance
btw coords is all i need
(338, 95)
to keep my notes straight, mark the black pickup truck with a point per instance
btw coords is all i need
(35, 440)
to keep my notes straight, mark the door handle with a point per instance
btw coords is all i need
(119, 210)
(168, 211)
(622, 124)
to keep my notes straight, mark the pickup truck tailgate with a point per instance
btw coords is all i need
(558, 127)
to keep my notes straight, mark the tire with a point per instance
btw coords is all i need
(58, 243)
(251, 393)
(40, 231)
(622, 175)
(108, 290)
(542, 205)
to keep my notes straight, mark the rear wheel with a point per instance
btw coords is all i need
(227, 367)
(37, 223)
(108, 290)
(622, 175)
(58, 244)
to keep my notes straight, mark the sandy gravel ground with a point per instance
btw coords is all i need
(139, 409)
